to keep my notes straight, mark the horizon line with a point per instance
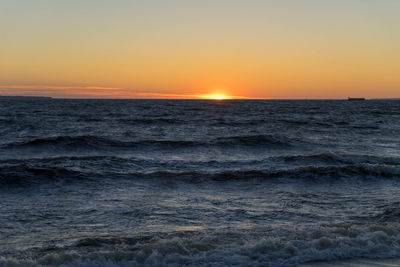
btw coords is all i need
(207, 99)
(108, 92)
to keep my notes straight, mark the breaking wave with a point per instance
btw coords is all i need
(264, 246)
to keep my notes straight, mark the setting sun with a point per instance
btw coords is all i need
(217, 96)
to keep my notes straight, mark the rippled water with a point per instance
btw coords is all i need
(184, 182)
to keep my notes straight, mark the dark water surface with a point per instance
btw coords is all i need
(173, 182)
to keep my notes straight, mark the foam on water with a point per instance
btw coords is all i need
(263, 246)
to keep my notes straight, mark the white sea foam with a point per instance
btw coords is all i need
(268, 247)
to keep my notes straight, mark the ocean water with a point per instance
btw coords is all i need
(199, 183)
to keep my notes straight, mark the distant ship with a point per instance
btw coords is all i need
(356, 98)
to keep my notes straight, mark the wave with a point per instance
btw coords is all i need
(332, 158)
(96, 142)
(391, 213)
(363, 171)
(316, 160)
(92, 142)
(155, 120)
(256, 140)
(263, 246)
(23, 174)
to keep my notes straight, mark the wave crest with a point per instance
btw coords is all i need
(90, 142)
(24, 174)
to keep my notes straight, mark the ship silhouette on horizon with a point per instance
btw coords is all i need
(356, 99)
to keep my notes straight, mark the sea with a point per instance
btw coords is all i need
(198, 182)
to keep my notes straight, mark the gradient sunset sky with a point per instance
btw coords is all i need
(192, 49)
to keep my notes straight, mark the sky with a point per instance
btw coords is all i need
(200, 49)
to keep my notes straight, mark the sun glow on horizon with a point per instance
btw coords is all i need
(216, 96)
(97, 91)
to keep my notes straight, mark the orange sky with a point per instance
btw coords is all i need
(197, 49)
